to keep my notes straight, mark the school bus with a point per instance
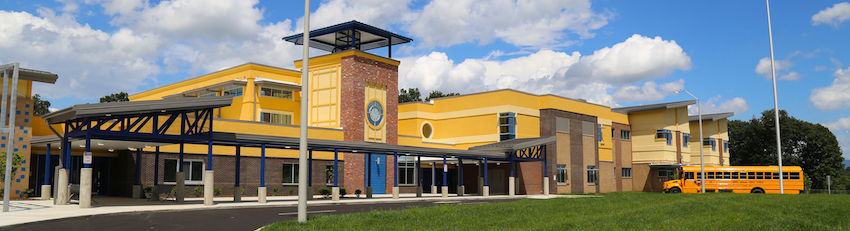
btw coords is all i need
(737, 179)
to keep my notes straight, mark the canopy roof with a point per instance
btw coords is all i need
(348, 35)
(711, 117)
(515, 144)
(653, 107)
(32, 75)
(136, 107)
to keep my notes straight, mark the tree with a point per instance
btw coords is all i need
(438, 94)
(115, 97)
(40, 106)
(16, 163)
(810, 146)
(409, 95)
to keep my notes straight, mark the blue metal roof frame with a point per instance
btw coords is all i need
(337, 38)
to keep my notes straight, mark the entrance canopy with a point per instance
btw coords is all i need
(349, 35)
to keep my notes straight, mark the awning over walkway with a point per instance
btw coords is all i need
(515, 144)
(115, 109)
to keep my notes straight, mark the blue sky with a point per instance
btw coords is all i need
(616, 53)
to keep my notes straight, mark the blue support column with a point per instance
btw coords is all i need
(47, 167)
(485, 172)
(336, 167)
(460, 171)
(445, 171)
(263, 166)
(156, 166)
(180, 163)
(238, 164)
(545, 163)
(369, 170)
(209, 155)
(511, 160)
(418, 171)
(138, 166)
(66, 149)
(88, 144)
(395, 170)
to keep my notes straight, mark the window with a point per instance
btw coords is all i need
(795, 175)
(276, 93)
(406, 170)
(427, 130)
(709, 142)
(664, 134)
(665, 172)
(592, 175)
(627, 172)
(277, 118)
(625, 135)
(290, 173)
(690, 175)
(686, 138)
(751, 175)
(194, 170)
(232, 90)
(599, 132)
(561, 174)
(709, 175)
(329, 174)
(211, 94)
(726, 146)
(727, 175)
(507, 126)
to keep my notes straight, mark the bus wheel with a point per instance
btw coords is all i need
(757, 190)
(675, 190)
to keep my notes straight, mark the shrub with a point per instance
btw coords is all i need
(291, 191)
(217, 191)
(1, 192)
(325, 191)
(342, 191)
(148, 189)
(276, 190)
(199, 191)
(357, 191)
(243, 190)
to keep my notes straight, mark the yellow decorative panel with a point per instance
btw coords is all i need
(375, 92)
(324, 93)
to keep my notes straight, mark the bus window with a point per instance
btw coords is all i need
(775, 176)
(795, 175)
(699, 175)
(726, 175)
(786, 176)
(709, 175)
(689, 175)
(734, 176)
(751, 175)
(760, 175)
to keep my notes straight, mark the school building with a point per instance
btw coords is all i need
(495, 142)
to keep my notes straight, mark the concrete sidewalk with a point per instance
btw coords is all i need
(28, 211)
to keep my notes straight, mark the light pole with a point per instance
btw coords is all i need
(701, 158)
(775, 101)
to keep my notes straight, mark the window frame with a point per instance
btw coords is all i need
(187, 171)
(511, 125)
(592, 175)
(623, 172)
(561, 169)
(234, 90)
(686, 138)
(271, 113)
(294, 168)
(272, 89)
(625, 135)
(403, 166)
(711, 142)
(664, 135)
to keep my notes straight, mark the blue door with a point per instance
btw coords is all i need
(378, 173)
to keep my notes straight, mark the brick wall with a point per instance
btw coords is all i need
(577, 161)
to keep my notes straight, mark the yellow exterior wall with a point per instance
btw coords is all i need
(324, 90)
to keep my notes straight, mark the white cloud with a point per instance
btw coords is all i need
(377, 13)
(648, 92)
(737, 105)
(633, 61)
(187, 19)
(763, 68)
(52, 109)
(836, 95)
(834, 15)
(541, 23)
(842, 124)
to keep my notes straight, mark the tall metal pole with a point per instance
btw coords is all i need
(13, 97)
(775, 101)
(302, 147)
(701, 151)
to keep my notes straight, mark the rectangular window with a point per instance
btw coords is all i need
(751, 176)
(194, 171)
(276, 118)
(734, 176)
(290, 173)
(211, 94)
(709, 175)
(507, 126)
(232, 90)
(760, 176)
(726, 146)
(709, 142)
(795, 175)
(689, 175)
(775, 176)
(329, 173)
(276, 93)
(599, 133)
(592, 175)
(727, 175)
(665, 172)
(686, 138)
(627, 172)
(406, 170)
(561, 174)
(625, 135)
(664, 134)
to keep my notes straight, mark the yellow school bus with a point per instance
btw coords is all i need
(737, 179)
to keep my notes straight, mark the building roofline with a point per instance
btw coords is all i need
(711, 117)
(213, 73)
(653, 107)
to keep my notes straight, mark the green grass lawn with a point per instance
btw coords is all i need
(614, 211)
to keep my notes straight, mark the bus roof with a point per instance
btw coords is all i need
(744, 168)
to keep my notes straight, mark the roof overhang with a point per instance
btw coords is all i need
(277, 84)
(711, 117)
(136, 107)
(515, 144)
(32, 75)
(339, 37)
(211, 88)
(653, 107)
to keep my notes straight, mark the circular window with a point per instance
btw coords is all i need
(427, 130)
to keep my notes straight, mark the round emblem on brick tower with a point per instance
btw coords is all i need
(375, 113)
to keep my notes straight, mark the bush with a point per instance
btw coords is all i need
(148, 189)
(276, 190)
(217, 191)
(1, 192)
(199, 191)
(357, 191)
(342, 191)
(325, 191)
(291, 191)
